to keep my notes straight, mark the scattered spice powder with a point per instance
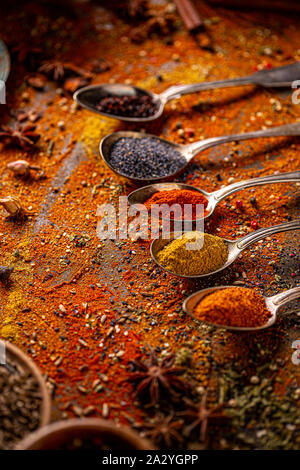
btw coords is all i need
(235, 306)
(180, 258)
(178, 196)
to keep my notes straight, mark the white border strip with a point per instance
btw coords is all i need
(2, 92)
(2, 352)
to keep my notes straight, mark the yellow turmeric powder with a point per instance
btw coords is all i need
(194, 253)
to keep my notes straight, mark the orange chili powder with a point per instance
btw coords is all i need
(178, 196)
(235, 306)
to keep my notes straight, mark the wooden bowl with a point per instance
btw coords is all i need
(56, 435)
(27, 364)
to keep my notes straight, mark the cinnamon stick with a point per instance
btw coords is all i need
(190, 16)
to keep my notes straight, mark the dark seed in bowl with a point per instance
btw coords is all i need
(20, 403)
(145, 158)
(135, 106)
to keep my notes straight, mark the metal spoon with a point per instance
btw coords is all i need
(141, 195)
(191, 150)
(4, 61)
(234, 247)
(272, 303)
(89, 96)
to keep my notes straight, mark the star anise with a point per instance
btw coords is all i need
(163, 430)
(58, 70)
(155, 376)
(22, 136)
(200, 415)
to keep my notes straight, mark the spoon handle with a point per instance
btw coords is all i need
(281, 178)
(254, 237)
(177, 91)
(287, 130)
(284, 297)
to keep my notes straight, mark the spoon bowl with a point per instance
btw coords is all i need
(159, 243)
(272, 304)
(141, 195)
(90, 96)
(234, 247)
(109, 140)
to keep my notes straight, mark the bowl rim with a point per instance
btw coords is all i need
(38, 439)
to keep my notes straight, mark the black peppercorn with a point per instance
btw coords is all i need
(138, 106)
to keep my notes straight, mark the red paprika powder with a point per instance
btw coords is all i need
(178, 196)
